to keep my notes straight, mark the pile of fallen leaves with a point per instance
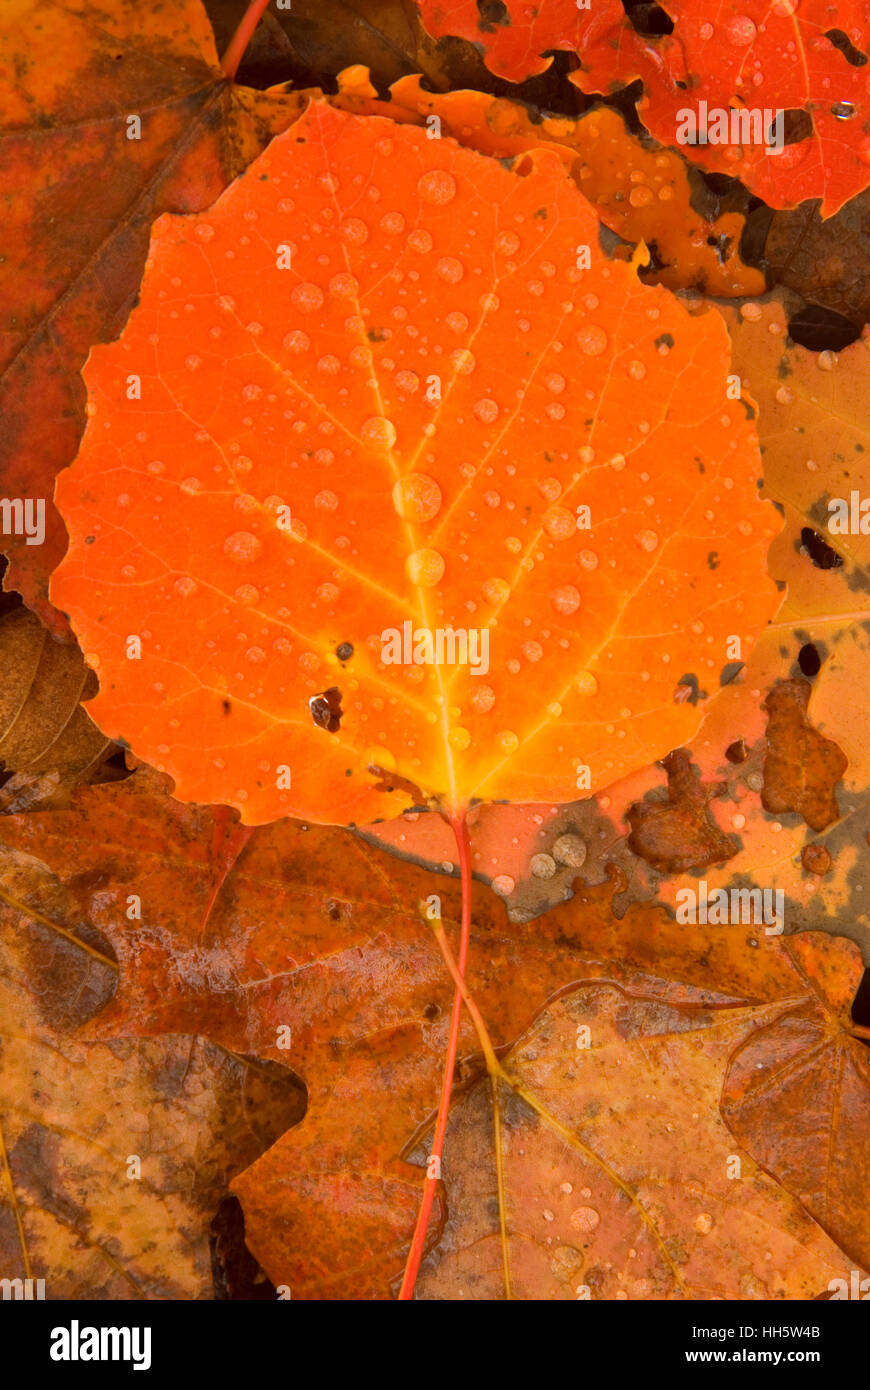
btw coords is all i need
(434, 770)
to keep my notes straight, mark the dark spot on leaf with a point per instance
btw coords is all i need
(493, 14)
(737, 752)
(226, 706)
(665, 340)
(730, 671)
(344, 651)
(821, 330)
(713, 561)
(809, 660)
(854, 57)
(823, 556)
(326, 709)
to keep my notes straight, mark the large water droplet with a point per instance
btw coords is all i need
(437, 186)
(379, 430)
(497, 590)
(417, 497)
(592, 340)
(482, 698)
(559, 523)
(565, 599)
(307, 298)
(425, 568)
(741, 30)
(450, 270)
(242, 547)
(584, 1218)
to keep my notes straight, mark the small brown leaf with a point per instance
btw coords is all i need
(679, 834)
(801, 767)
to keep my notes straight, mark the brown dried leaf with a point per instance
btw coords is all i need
(801, 767)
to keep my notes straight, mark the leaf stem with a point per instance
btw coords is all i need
(242, 37)
(415, 1255)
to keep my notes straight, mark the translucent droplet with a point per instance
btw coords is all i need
(417, 497)
(843, 110)
(592, 340)
(242, 547)
(307, 298)
(486, 410)
(247, 594)
(344, 286)
(425, 568)
(420, 240)
(566, 599)
(588, 560)
(704, 1223)
(507, 243)
(379, 430)
(532, 651)
(570, 850)
(497, 590)
(507, 741)
(647, 540)
(450, 270)
(459, 739)
(297, 342)
(393, 223)
(354, 231)
(190, 485)
(740, 30)
(437, 186)
(482, 698)
(586, 684)
(542, 866)
(559, 523)
(504, 885)
(584, 1218)
(185, 586)
(457, 322)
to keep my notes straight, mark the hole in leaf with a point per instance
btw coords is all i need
(823, 556)
(861, 1002)
(797, 125)
(645, 17)
(822, 330)
(853, 55)
(809, 660)
(235, 1273)
(492, 13)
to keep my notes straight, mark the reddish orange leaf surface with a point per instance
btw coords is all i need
(642, 194)
(806, 57)
(405, 427)
(514, 36)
